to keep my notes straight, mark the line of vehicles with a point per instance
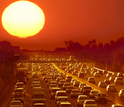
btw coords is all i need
(61, 87)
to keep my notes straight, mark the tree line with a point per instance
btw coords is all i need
(110, 55)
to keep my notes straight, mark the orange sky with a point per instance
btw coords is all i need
(76, 20)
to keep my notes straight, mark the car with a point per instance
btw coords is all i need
(109, 74)
(58, 79)
(81, 74)
(69, 88)
(118, 80)
(121, 93)
(19, 91)
(61, 99)
(19, 85)
(53, 91)
(65, 85)
(81, 85)
(74, 73)
(53, 82)
(61, 82)
(89, 103)
(111, 88)
(39, 105)
(112, 78)
(105, 71)
(117, 105)
(81, 99)
(86, 89)
(76, 83)
(60, 93)
(96, 74)
(102, 84)
(36, 82)
(51, 86)
(75, 93)
(106, 81)
(16, 103)
(68, 78)
(72, 81)
(101, 98)
(93, 93)
(65, 104)
(91, 80)
(100, 72)
(48, 78)
(18, 97)
(119, 74)
(36, 85)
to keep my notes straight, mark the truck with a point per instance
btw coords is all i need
(21, 75)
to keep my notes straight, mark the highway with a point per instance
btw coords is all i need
(6, 95)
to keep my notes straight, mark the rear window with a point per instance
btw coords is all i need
(62, 99)
(61, 94)
(38, 96)
(65, 105)
(87, 88)
(15, 103)
(90, 102)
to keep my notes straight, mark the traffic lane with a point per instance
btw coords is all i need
(28, 99)
(49, 102)
(111, 97)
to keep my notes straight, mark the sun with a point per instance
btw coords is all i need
(23, 19)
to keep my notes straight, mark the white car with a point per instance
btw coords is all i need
(111, 88)
(65, 104)
(89, 103)
(93, 93)
(16, 103)
(75, 93)
(39, 105)
(116, 105)
(81, 99)
(121, 93)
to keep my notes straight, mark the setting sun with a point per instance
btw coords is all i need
(23, 19)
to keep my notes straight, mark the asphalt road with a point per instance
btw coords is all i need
(6, 94)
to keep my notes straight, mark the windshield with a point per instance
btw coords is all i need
(62, 99)
(61, 94)
(82, 98)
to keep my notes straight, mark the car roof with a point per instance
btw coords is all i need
(61, 91)
(65, 103)
(62, 96)
(39, 104)
(82, 96)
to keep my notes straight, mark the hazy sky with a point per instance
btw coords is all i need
(76, 20)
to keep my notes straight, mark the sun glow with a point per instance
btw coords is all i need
(23, 19)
